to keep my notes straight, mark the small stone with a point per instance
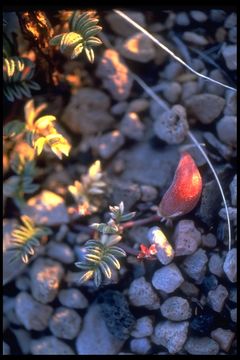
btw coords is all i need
(123, 28)
(141, 293)
(172, 125)
(182, 19)
(230, 21)
(137, 47)
(149, 193)
(223, 337)
(233, 294)
(139, 234)
(230, 265)
(73, 298)
(217, 15)
(22, 282)
(232, 34)
(227, 130)
(216, 265)
(62, 232)
(209, 240)
(140, 346)
(60, 251)
(233, 314)
(49, 345)
(212, 88)
(221, 34)
(115, 75)
(203, 324)
(172, 92)
(23, 339)
(119, 108)
(155, 109)
(65, 323)
(165, 252)
(172, 70)
(223, 150)
(233, 190)
(33, 315)
(127, 192)
(6, 349)
(171, 335)
(232, 214)
(167, 279)
(205, 107)
(46, 276)
(217, 298)
(230, 56)
(231, 103)
(132, 127)
(209, 282)
(201, 346)
(189, 289)
(194, 38)
(176, 308)
(46, 208)
(186, 238)
(198, 16)
(143, 327)
(195, 265)
(189, 89)
(107, 144)
(138, 105)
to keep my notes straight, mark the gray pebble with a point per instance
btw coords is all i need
(231, 21)
(195, 265)
(199, 16)
(217, 297)
(223, 337)
(205, 107)
(149, 193)
(73, 298)
(143, 327)
(172, 92)
(182, 19)
(209, 240)
(229, 53)
(216, 265)
(189, 289)
(107, 144)
(167, 279)
(60, 251)
(141, 293)
(233, 314)
(138, 105)
(230, 265)
(194, 38)
(231, 103)
(140, 346)
(49, 345)
(176, 308)
(119, 108)
(227, 130)
(132, 127)
(65, 323)
(186, 238)
(201, 346)
(233, 190)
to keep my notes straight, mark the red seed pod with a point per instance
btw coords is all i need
(185, 190)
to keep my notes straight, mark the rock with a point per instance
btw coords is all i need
(149, 193)
(172, 92)
(189, 89)
(203, 324)
(95, 338)
(205, 107)
(199, 16)
(138, 105)
(209, 240)
(230, 265)
(167, 279)
(46, 276)
(231, 103)
(32, 314)
(106, 145)
(119, 108)
(212, 88)
(22, 282)
(230, 21)
(195, 265)
(171, 335)
(209, 282)
(186, 238)
(65, 323)
(221, 34)
(233, 190)
(215, 265)
(49, 345)
(141, 293)
(216, 298)
(232, 214)
(194, 38)
(6, 349)
(176, 308)
(189, 289)
(73, 298)
(233, 294)
(172, 70)
(139, 234)
(223, 150)
(61, 252)
(156, 110)
(217, 15)
(115, 75)
(233, 315)
(201, 346)
(143, 327)
(127, 192)
(9, 309)
(182, 19)
(229, 53)
(165, 252)
(46, 208)
(122, 27)
(223, 337)
(62, 233)
(172, 125)
(23, 339)
(227, 130)
(132, 127)
(137, 47)
(87, 112)
(140, 346)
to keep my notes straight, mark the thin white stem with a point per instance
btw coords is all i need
(139, 27)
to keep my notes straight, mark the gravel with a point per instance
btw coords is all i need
(186, 238)
(73, 298)
(140, 346)
(201, 346)
(143, 327)
(49, 345)
(141, 293)
(65, 323)
(195, 265)
(216, 298)
(230, 265)
(176, 308)
(167, 279)
(223, 337)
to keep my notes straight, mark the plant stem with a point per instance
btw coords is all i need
(133, 223)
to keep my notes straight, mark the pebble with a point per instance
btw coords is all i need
(172, 70)
(210, 282)
(73, 298)
(216, 298)
(165, 252)
(209, 240)
(172, 92)
(6, 349)
(176, 308)
(232, 214)
(171, 335)
(194, 38)
(46, 276)
(49, 345)
(215, 265)
(140, 346)
(22, 282)
(212, 88)
(229, 53)
(119, 108)
(227, 130)
(108, 144)
(189, 89)
(189, 289)
(198, 16)
(141, 293)
(195, 265)
(217, 15)
(182, 19)
(167, 279)
(137, 47)
(156, 110)
(205, 107)
(148, 193)
(221, 34)
(127, 192)
(24, 339)
(32, 314)
(223, 150)
(138, 105)
(201, 346)
(231, 103)
(139, 235)
(62, 232)
(186, 238)
(232, 34)
(46, 208)
(230, 21)
(233, 190)
(65, 323)
(60, 251)
(172, 125)
(132, 127)
(115, 75)
(233, 315)
(230, 265)
(223, 337)
(122, 27)
(203, 324)
(143, 327)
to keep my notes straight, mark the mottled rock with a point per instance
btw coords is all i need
(127, 192)
(140, 346)
(65, 323)
(143, 327)
(176, 308)
(172, 92)
(232, 214)
(233, 190)
(137, 47)
(223, 337)
(115, 75)
(132, 127)
(123, 28)
(106, 145)
(33, 315)
(194, 38)
(73, 298)
(201, 346)
(141, 293)
(189, 289)
(171, 335)
(167, 279)
(138, 105)
(186, 238)
(216, 298)
(227, 130)
(205, 107)
(46, 276)
(209, 240)
(229, 53)
(49, 345)
(230, 265)
(195, 265)
(165, 252)
(215, 265)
